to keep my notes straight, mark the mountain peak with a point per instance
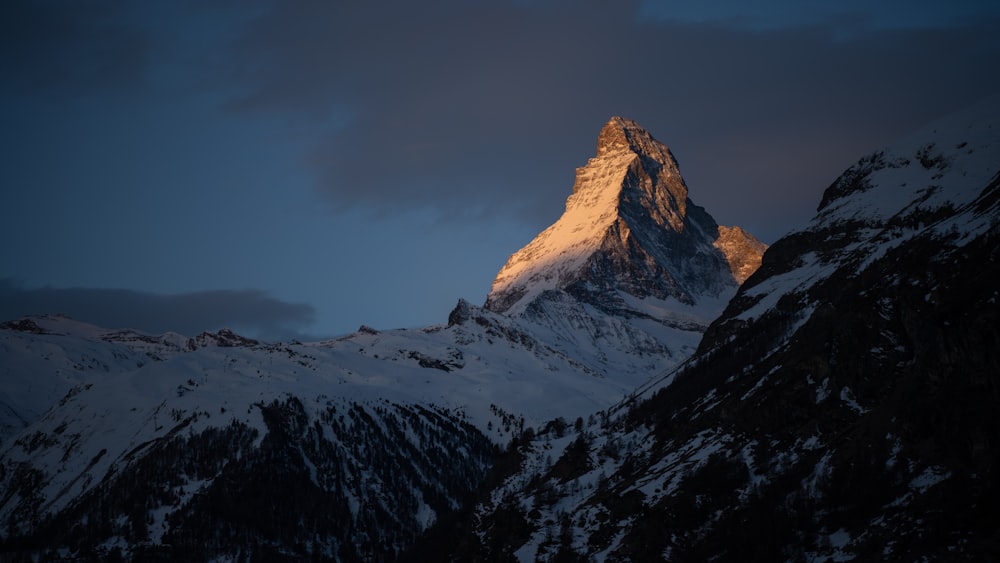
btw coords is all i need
(625, 135)
(629, 227)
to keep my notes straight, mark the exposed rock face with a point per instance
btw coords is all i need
(629, 230)
(742, 250)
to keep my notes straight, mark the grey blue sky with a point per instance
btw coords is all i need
(296, 169)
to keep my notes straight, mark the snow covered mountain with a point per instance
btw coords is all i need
(843, 406)
(630, 238)
(221, 447)
(633, 272)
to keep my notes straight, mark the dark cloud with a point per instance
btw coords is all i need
(474, 110)
(71, 47)
(477, 108)
(849, 17)
(252, 312)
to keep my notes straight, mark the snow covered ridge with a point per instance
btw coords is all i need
(628, 227)
(942, 181)
(126, 442)
(959, 152)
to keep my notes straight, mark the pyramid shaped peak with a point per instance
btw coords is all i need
(628, 229)
(621, 134)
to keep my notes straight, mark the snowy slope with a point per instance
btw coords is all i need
(557, 254)
(925, 185)
(45, 357)
(484, 379)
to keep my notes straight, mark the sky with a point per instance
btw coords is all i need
(298, 169)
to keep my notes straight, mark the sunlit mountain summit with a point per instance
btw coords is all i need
(630, 240)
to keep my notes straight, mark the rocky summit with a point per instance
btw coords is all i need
(630, 233)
